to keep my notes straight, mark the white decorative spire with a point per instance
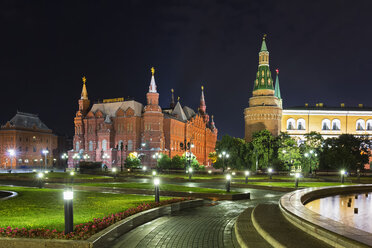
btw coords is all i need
(152, 88)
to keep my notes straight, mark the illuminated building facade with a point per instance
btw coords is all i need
(108, 131)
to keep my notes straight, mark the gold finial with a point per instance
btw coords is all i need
(172, 90)
(202, 87)
(84, 79)
(264, 37)
(178, 98)
(212, 117)
(153, 70)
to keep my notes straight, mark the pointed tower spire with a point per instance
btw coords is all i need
(152, 87)
(277, 88)
(84, 92)
(212, 124)
(264, 81)
(172, 103)
(202, 106)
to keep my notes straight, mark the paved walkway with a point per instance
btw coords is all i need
(207, 226)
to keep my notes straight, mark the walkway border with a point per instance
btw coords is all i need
(323, 228)
(109, 233)
(10, 194)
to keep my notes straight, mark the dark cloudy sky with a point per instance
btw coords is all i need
(321, 47)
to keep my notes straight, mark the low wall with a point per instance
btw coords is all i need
(332, 232)
(105, 235)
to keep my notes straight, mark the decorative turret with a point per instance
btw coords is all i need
(172, 103)
(212, 125)
(152, 87)
(263, 85)
(84, 101)
(152, 95)
(277, 88)
(203, 107)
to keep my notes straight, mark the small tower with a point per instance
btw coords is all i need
(277, 88)
(265, 107)
(203, 106)
(172, 103)
(84, 102)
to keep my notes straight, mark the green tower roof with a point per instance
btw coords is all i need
(277, 87)
(263, 46)
(263, 77)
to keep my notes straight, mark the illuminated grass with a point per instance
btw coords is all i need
(164, 187)
(300, 184)
(63, 175)
(34, 208)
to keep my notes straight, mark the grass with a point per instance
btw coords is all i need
(62, 175)
(37, 208)
(300, 184)
(150, 186)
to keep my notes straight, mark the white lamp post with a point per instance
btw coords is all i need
(157, 193)
(12, 154)
(45, 152)
(68, 196)
(228, 182)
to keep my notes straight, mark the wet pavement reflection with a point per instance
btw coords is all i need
(339, 209)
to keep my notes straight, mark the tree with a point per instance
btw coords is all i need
(192, 161)
(132, 162)
(310, 149)
(345, 152)
(289, 152)
(177, 162)
(264, 144)
(164, 162)
(212, 157)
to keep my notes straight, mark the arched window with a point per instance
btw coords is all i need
(121, 145)
(104, 145)
(77, 146)
(130, 145)
(326, 124)
(360, 125)
(369, 125)
(301, 124)
(90, 146)
(290, 124)
(336, 125)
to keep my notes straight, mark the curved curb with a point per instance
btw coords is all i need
(330, 231)
(12, 194)
(270, 239)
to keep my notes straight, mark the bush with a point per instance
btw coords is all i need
(131, 162)
(164, 162)
(89, 166)
(177, 162)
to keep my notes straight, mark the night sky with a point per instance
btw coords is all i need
(322, 49)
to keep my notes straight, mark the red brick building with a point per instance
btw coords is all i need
(109, 131)
(27, 136)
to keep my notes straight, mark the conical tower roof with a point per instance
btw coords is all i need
(152, 87)
(84, 92)
(277, 87)
(263, 76)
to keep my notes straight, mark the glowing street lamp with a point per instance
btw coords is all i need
(86, 156)
(45, 152)
(114, 170)
(157, 193)
(224, 155)
(190, 173)
(12, 154)
(342, 176)
(228, 182)
(270, 171)
(40, 180)
(246, 176)
(297, 176)
(153, 173)
(68, 196)
(144, 168)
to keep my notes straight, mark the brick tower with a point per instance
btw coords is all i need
(153, 134)
(84, 104)
(265, 105)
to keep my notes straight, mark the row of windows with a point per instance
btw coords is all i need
(104, 145)
(334, 125)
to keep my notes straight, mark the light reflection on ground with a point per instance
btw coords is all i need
(336, 208)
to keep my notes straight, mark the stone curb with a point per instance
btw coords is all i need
(12, 194)
(295, 212)
(270, 239)
(274, 188)
(111, 232)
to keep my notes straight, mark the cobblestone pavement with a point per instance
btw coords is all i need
(207, 226)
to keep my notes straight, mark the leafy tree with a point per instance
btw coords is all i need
(164, 162)
(264, 145)
(345, 152)
(132, 162)
(177, 162)
(289, 152)
(310, 150)
(192, 161)
(212, 157)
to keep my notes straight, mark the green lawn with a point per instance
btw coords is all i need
(34, 208)
(52, 175)
(300, 184)
(150, 186)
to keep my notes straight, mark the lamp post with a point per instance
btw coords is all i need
(114, 170)
(153, 173)
(157, 156)
(246, 176)
(144, 169)
(343, 176)
(224, 155)
(157, 193)
(190, 173)
(45, 152)
(64, 157)
(297, 176)
(68, 196)
(12, 154)
(40, 177)
(309, 155)
(76, 157)
(72, 174)
(187, 146)
(228, 182)
(86, 157)
(270, 171)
